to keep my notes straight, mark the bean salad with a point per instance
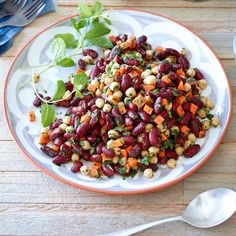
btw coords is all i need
(141, 108)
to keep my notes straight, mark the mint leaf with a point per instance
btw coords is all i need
(108, 21)
(99, 29)
(60, 90)
(69, 40)
(101, 42)
(97, 7)
(58, 49)
(79, 24)
(47, 115)
(84, 10)
(80, 81)
(66, 62)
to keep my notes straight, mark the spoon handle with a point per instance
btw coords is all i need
(139, 228)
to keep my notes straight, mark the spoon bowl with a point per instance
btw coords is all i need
(210, 208)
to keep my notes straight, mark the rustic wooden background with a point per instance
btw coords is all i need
(32, 203)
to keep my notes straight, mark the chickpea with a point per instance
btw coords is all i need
(67, 95)
(153, 160)
(108, 80)
(202, 84)
(155, 70)
(174, 130)
(167, 132)
(171, 59)
(110, 144)
(75, 157)
(144, 153)
(36, 78)
(206, 124)
(85, 170)
(99, 103)
(63, 127)
(107, 108)
(150, 80)
(153, 150)
(209, 104)
(95, 83)
(168, 106)
(171, 163)
(106, 53)
(88, 59)
(161, 127)
(85, 145)
(215, 121)
(69, 129)
(87, 72)
(148, 173)
(118, 94)
(114, 86)
(44, 131)
(67, 120)
(121, 104)
(113, 134)
(115, 160)
(179, 150)
(91, 150)
(183, 51)
(191, 72)
(123, 161)
(187, 144)
(117, 151)
(149, 54)
(98, 92)
(148, 127)
(187, 87)
(192, 137)
(130, 92)
(201, 113)
(146, 73)
(68, 143)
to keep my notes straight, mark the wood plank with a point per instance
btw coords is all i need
(86, 219)
(159, 3)
(215, 26)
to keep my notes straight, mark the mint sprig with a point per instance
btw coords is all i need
(47, 115)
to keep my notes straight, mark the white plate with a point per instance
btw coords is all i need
(160, 31)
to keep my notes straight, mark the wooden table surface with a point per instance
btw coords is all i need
(32, 203)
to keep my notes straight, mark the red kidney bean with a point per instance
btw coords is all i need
(101, 64)
(136, 150)
(166, 93)
(142, 51)
(47, 98)
(86, 97)
(91, 139)
(82, 64)
(164, 67)
(60, 159)
(186, 118)
(160, 56)
(66, 150)
(55, 124)
(171, 154)
(195, 91)
(118, 169)
(173, 76)
(96, 130)
(69, 86)
(144, 116)
(74, 101)
(125, 83)
(196, 100)
(118, 59)
(132, 107)
(55, 133)
(198, 74)
(91, 53)
(115, 112)
(83, 128)
(162, 160)
(76, 166)
(139, 128)
(124, 37)
(142, 39)
(67, 136)
(145, 139)
(77, 148)
(105, 137)
(115, 52)
(91, 102)
(176, 67)
(99, 147)
(128, 121)
(170, 122)
(103, 114)
(183, 61)
(108, 152)
(58, 141)
(192, 150)
(117, 38)
(37, 102)
(48, 151)
(132, 61)
(107, 170)
(195, 126)
(93, 121)
(79, 110)
(129, 140)
(136, 82)
(75, 121)
(157, 106)
(93, 108)
(180, 140)
(164, 114)
(161, 84)
(186, 106)
(148, 46)
(64, 103)
(129, 69)
(132, 115)
(118, 79)
(109, 121)
(94, 72)
(154, 137)
(172, 52)
(154, 167)
(96, 157)
(86, 156)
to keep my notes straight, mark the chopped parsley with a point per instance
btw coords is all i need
(145, 160)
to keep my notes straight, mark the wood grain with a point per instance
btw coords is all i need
(32, 203)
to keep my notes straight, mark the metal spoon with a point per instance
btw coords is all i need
(10, 7)
(207, 210)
